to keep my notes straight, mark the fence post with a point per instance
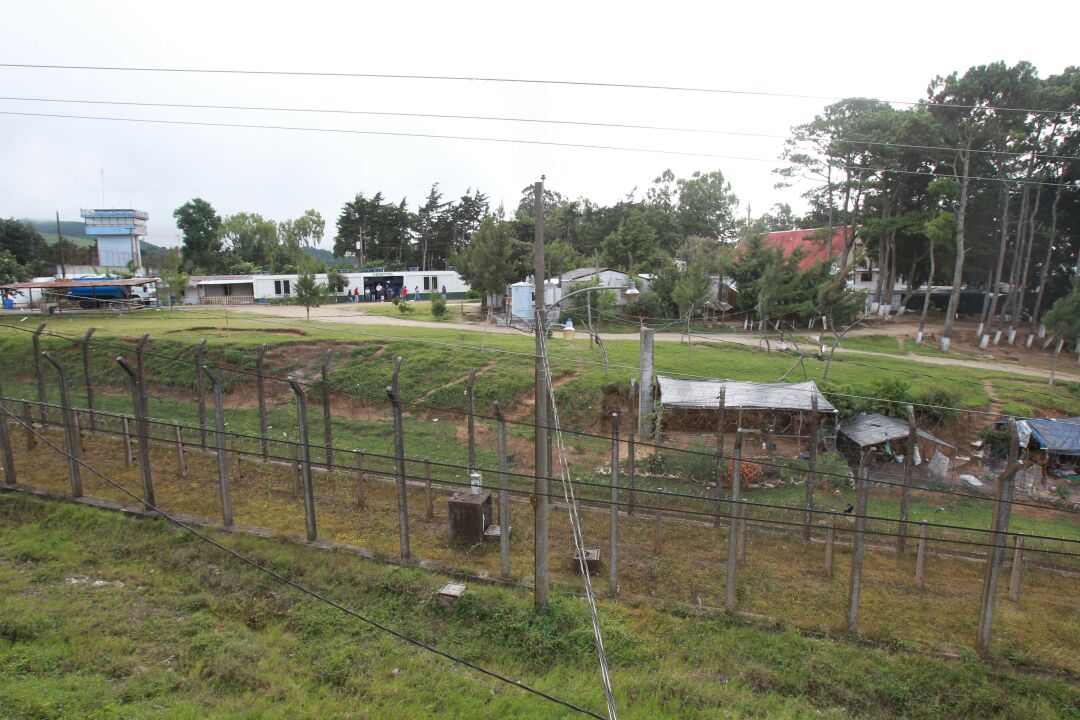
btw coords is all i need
(830, 540)
(144, 396)
(721, 474)
(811, 467)
(305, 458)
(87, 372)
(142, 430)
(260, 388)
(129, 458)
(69, 427)
(298, 482)
(733, 519)
(5, 443)
(429, 499)
(399, 453)
(742, 530)
(181, 466)
(328, 428)
(200, 391)
(997, 551)
(35, 339)
(659, 517)
(858, 547)
(905, 496)
(361, 494)
(222, 457)
(28, 423)
(1017, 567)
(471, 419)
(920, 557)
(504, 497)
(613, 550)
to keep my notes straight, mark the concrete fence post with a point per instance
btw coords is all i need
(733, 518)
(721, 472)
(140, 367)
(742, 530)
(399, 464)
(1017, 567)
(471, 419)
(811, 467)
(613, 542)
(361, 492)
(305, 459)
(141, 428)
(200, 391)
(89, 377)
(222, 455)
(35, 340)
(504, 497)
(905, 495)
(631, 450)
(1000, 529)
(645, 389)
(5, 443)
(298, 480)
(260, 389)
(328, 425)
(920, 557)
(125, 430)
(181, 466)
(858, 550)
(830, 541)
(429, 496)
(73, 453)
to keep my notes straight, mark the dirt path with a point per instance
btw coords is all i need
(344, 314)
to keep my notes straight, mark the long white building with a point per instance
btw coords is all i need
(244, 289)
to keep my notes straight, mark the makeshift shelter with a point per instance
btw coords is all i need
(888, 436)
(1052, 443)
(694, 405)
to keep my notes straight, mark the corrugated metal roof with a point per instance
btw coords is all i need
(705, 394)
(1061, 436)
(866, 429)
(218, 279)
(67, 284)
(571, 275)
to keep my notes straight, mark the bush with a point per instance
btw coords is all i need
(939, 405)
(438, 307)
(403, 307)
(996, 439)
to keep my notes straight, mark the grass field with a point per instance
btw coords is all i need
(418, 310)
(145, 621)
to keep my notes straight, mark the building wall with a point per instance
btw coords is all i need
(266, 287)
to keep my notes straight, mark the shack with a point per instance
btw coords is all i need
(888, 437)
(777, 409)
(1053, 444)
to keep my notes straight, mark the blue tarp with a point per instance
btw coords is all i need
(1058, 436)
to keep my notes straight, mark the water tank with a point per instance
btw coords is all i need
(521, 301)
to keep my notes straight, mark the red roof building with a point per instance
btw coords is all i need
(813, 249)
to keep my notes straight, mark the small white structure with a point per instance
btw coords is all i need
(521, 301)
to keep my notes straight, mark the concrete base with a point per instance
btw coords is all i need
(469, 516)
(592, 559)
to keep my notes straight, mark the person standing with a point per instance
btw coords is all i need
(405, 293)
(378, 292)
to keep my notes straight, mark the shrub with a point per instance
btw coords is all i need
(996, 439)
(403, 307)
(938, 406)
(438, 307)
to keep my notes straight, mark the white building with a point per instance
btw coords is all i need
(262, 287)
(118, 233)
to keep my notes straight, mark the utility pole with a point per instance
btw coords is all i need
(542, 462)
(60, 247)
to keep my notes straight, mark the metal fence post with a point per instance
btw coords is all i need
(88, 373)
(469, 399)
(181, 466)
(1017, 567)
(905, 496)
(5, 443)
(200, 391)
(260, 389)
(305, 458)
(219, 441)
(35, 339)
(399, 453)
(997, 551)
(811, 467)
(69, 427)
(328, 425)
(143, 433)
(504, 497)
(631, 450)
(858, 549)
(613, 549)
(721, 471)
(920, 557)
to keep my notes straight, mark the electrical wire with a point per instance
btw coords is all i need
(509, 80)
(303, 588)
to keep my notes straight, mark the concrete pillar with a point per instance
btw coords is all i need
(645, 389)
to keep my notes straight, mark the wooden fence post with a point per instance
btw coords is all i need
(830, 540)
(920, 557)
(997, 550)
(399, 455)
(429, 497)
(905, 496)
(1017, 567)
(181, 466)
(361, 494)
(857, 553)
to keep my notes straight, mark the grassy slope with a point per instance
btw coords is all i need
(192, 634)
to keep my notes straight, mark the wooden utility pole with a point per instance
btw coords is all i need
(60, 247)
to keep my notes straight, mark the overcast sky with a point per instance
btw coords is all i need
(828, 49)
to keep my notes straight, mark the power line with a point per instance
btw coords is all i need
(303, 588)
(513, 141)
(520, 81)
(514, 119)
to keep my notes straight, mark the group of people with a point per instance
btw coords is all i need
(384, 293)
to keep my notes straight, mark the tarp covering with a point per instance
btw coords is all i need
(1057, 436)
(869, 429)
(68, 284)
(705, 394)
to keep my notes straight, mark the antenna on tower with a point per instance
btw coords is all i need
(102, 187)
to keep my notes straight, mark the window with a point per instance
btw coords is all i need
(426, 286)
(434, 283)
(281, 287)
(285, 287)
(865, 277)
